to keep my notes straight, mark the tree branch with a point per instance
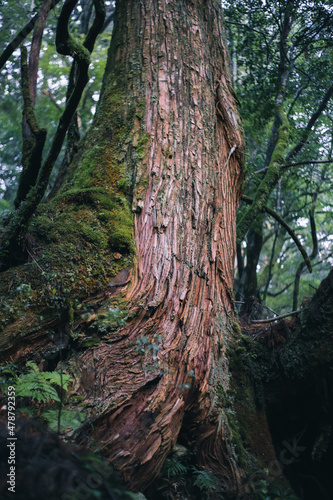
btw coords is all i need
(36, 45)
(256, 31)
(73, 134)
(270, 179)
(311, 122)
(52, 98)
(108, 20)
(12, 46)
(312, 256)
(283, 223)
(288, 165)
(279, 292)
(13, 236)
(269, 320)
(33, 146)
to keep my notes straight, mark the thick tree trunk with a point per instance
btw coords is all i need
(168, 76)
(167, 137)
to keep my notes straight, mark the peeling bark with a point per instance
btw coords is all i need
(185, 195)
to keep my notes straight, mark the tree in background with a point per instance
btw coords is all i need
(282, 51)
(129, 264)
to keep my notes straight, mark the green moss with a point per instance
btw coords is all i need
(121, 231)
(77, 50)
(270, 179)
(70, 311)
(94, 196)
(89, 342)
(237, 330)
(221, 395)
(77, 399)
(112, 320)
(142, 146)
(124, 186)
(98, 238)
(121, 240)
(238, 437)
(90, 218)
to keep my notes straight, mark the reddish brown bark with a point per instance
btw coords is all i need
(34, 58)
(36, 45)
(186, 191)
(166, 138)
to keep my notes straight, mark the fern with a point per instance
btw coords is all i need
(274, 491)
(206, 481)
(39, 385)
(69, 419)
(174, 467)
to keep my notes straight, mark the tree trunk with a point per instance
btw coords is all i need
(168, 108)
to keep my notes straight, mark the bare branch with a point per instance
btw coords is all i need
(12, 46)
(280, 291)
(288, 165)
(269, 320)
(283, 223)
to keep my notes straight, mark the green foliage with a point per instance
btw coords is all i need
(52, 83)
(272, 491)
(181, 478)
(39, 386)
(8, 375)
(68, 419)
(174, 467)
(207, 482)
(44, 391)
(112, 320)
(149, 351)
(254, 34)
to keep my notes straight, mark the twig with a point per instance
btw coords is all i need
(53, 99)
(35, 261)
(283, 223)
(256, 31)
(12, 46)
(314, 117)
(266, 307)
(269, 320)
(295, 165)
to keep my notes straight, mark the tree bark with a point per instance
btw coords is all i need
(167, 137)
(183, 151)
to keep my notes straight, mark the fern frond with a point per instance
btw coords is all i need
(206, 480)
(39, 385)
(69, 419)
(174, 467)
(33, 385)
